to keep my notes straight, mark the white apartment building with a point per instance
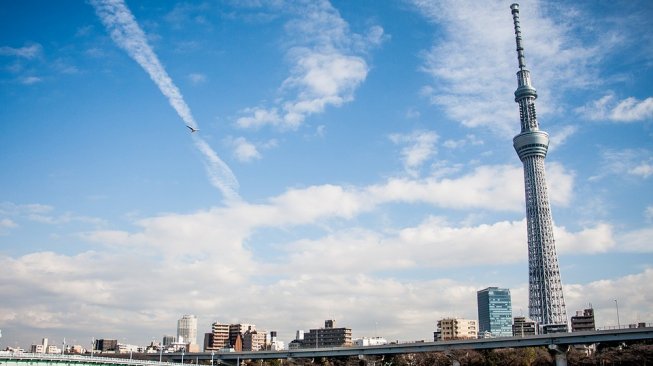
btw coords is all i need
(187, 329)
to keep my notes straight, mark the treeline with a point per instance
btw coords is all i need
(635, 354)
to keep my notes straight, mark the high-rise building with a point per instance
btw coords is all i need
(187, 329)
(455, 328)
(583, 321)
(546, 303)
(238, 331)
(218, 338)
(494, 312)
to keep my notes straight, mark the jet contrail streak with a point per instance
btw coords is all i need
(127, 34)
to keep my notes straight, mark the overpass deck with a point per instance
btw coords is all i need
(557, 339)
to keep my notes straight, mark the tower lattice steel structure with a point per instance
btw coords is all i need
(546, 303)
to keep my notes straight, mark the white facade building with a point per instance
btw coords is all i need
(187, 329)
(375, 341)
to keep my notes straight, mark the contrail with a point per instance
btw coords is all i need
(127, 34)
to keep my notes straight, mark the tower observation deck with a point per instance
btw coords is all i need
(546, 303)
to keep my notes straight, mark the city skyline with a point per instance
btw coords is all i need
(353, 161)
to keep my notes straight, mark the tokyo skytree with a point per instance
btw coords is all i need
(546, 303)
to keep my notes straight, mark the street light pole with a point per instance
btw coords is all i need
(616, 303)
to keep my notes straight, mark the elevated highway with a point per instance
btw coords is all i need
(559, 342)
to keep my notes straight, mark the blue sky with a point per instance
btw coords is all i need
(354, 161)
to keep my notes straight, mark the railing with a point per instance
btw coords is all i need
(626, 326)
(80, 358)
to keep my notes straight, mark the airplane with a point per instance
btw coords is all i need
(192, 129)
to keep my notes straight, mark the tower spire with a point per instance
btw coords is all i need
(546, 302)
(520, 48)
(525, 94)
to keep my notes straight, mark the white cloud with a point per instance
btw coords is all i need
(648, 213)
(45, 214)
(637, 163)
(469, 139)
(257, 117)
(493, 188)
(420, 147)
(30, 80)
(327, 67)
(560, 136)
(28, 52)
(245, 151)
(336, 274)
(197, 78)
(644, 170)
(474, 62)
(6, 224)
(337, 271)
(626, 110)
(597, 239)
(636, 241)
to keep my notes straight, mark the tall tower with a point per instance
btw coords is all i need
(546, 303)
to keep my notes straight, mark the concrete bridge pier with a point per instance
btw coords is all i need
(559, 353)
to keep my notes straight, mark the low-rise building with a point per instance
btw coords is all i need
(455, 328)
(329, 336)
(106, 345)
(37, 348)
(254, 340)
(523, 326)
(375, 341)
(583, 321)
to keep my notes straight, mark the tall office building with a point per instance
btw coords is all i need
(494, 312)
(546, 304)
(187, 329)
